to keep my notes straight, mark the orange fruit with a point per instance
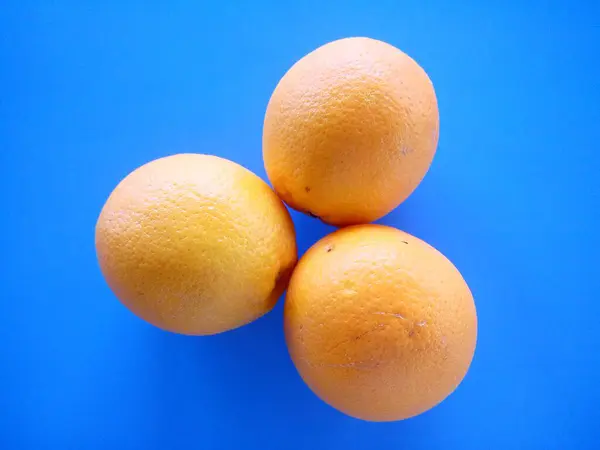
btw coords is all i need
(379, 324)
(195, 244)
(350, 131)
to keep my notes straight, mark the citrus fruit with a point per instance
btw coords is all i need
(350, 131)
(379, 324)
(195, 244)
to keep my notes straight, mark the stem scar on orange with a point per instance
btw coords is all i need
(195, 244)
(379, 324)
(350, 131)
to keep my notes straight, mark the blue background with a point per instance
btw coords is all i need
(88, 92)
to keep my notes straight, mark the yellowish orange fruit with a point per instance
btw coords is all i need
(350, 131)
(379, 324)
(195, 244)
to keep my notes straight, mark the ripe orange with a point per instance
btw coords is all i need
(379, 324)
(195, 244)
(350, 131)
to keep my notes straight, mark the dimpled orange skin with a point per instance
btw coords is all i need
(350, 131)
(195, 244)
(379, 324)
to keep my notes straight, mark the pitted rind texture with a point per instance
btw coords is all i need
(379, 324)
(195, 244)
(350, 131)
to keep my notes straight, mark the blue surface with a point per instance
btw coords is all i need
(90, 92)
